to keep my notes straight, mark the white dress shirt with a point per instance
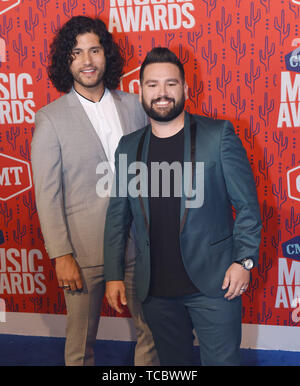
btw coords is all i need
(105, 120)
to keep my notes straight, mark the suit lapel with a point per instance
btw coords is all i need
(189, 156)
(82, 120)
(122, 112)
(188, 159)
(142, 156)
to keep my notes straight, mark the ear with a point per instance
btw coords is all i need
(140, 93)
(186, 91)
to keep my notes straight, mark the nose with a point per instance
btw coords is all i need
(86, 58)
(162, 90)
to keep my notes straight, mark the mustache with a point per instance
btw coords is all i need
(162, 98)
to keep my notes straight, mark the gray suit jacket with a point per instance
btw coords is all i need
(65, 152)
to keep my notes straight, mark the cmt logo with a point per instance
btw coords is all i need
(292, 60)
(130, 81)
(7, 5)
(15, 177)
(293, 183)
(291, 248)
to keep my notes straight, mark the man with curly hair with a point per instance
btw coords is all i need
(73, 135)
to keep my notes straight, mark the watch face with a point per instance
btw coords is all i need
(248, 263)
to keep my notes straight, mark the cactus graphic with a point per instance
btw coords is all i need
(31, 23)
(223, 81)
(267, 214)
(266, 109)
(252, 132)
(208, 110)
(223, 25)
(264, 316)
(25, 150)
(282, 28)
(209, 57)
(281, 141)
(68, 7)
(20, 50)
(266, 5)
(251, 21)
(293, 222)
(168, 38)
(279, 193)
(19, 233)
(193, 38)
(265, 55)
(265, 164)
(238, 47)
(29, 203)
(210, 6)
(264, 266)
(12, 136)
(195, 91)
(42, 6)
(98, 5)
(251, 78)
(238, 103)
(6, 213)
(126, 49)
(5, 28)
(276, 240)
(252, 287)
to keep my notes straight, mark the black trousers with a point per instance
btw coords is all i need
(216, 321)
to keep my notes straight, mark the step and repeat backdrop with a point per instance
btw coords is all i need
(242, 62)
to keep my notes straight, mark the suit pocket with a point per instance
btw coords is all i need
(223, 243)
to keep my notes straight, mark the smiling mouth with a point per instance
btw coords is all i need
(162, 102)
(88, 71)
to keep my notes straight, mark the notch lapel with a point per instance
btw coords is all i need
(82, 121)
(189, 156)
(142, 156)
(122, 112)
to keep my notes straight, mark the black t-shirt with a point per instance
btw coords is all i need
(168, 275)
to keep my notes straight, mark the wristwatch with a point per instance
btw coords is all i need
(247, 263)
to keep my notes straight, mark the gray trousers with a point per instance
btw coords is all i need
(83, 315)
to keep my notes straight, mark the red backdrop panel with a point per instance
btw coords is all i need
(242, 63)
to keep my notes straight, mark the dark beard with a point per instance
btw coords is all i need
(170, 115)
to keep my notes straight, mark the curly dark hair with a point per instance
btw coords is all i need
(61, 53)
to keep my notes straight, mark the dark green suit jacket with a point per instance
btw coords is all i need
(210, 238)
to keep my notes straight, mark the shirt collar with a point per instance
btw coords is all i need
(85, 100)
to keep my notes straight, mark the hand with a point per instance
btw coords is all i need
(68, 273)
(236, 280)
(115, 294)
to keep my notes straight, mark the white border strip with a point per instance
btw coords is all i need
(255, 336)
